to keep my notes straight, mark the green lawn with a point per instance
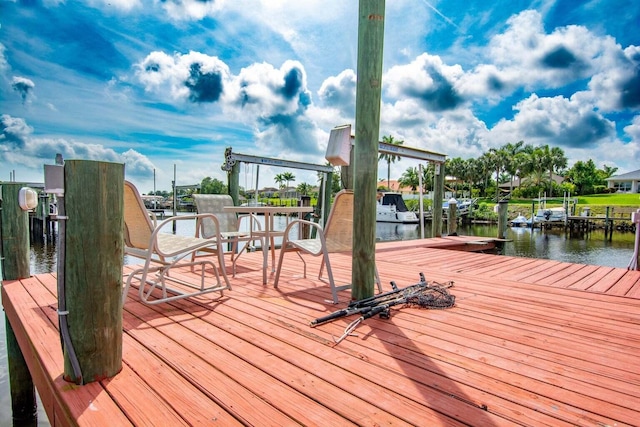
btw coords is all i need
(597, 202)
(594, 199)
(610, 199)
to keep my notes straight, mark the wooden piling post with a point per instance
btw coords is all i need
(635, 220)
(503, 211)
(452, 220)
(608, 224)
(438, 194)
(234, 183)
(304, 232)
(93, 258)
(14, 229)
(368, 97)
(15, 234)
(328, 191)
(533, 214)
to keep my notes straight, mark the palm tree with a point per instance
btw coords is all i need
(608, 171)
(512, 150)
(455, 167)
(557, 161)
(428, 176)
(304, 189)
(410, 178)
(536, 166)
(390, 158)
(279, 179)
(288, 177)
(497, 158)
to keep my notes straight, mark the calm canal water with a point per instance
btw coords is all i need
(593, 248)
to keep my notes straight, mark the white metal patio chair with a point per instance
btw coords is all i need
(227, 225)
(337, 236)
(162, 251)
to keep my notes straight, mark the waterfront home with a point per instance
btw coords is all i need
(625, 183)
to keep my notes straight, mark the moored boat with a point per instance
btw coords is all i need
(391, 208)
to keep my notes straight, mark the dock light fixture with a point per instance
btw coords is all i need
(27, 198)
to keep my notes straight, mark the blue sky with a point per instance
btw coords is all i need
(155, 84)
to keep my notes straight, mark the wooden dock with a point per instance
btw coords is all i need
(529, 342)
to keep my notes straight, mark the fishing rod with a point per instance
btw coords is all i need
(422, 294)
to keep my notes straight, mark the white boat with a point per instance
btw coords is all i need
(391, 208)
(463, 206)
(520, 221)
(550, 215)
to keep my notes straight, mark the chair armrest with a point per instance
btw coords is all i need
(304, 244)
(154, 218)
(198, 218)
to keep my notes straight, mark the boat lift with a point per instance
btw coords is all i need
(232, 159)
(339, 152)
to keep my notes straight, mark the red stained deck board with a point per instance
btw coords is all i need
(518, 348)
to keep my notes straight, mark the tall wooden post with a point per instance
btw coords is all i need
(14, 229)
(533, 214)
(368, 96)
(438, 194)
(452, 220)
(503, 211)
(234, 183)
(93, 257)
(15, 234)
(326, 198)
(635, 219)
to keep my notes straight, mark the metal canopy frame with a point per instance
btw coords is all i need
(231, 158)
(383, 147)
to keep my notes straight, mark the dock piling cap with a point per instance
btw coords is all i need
(27, 198)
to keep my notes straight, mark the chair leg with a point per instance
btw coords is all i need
(273, 253)
(223, 268)
(279, 268)
(332, 283)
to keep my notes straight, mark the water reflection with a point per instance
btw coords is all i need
(592, 248)
(387, 231)
(44, 257)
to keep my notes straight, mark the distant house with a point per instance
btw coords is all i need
(625, 183)
(395, 186)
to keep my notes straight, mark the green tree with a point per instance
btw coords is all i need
(304, 189)
(288, 177)
(428, 176)
(512, 164)
(279, 179)
(497, 159)
(212, 186)
(608, 171)
(336, 184)
(535, 167)
(388, 157)
(410, 178)
(456, 168)
(557, 161)
(584, 175)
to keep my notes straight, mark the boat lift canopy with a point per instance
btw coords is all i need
(231, 159)
(339, 153)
